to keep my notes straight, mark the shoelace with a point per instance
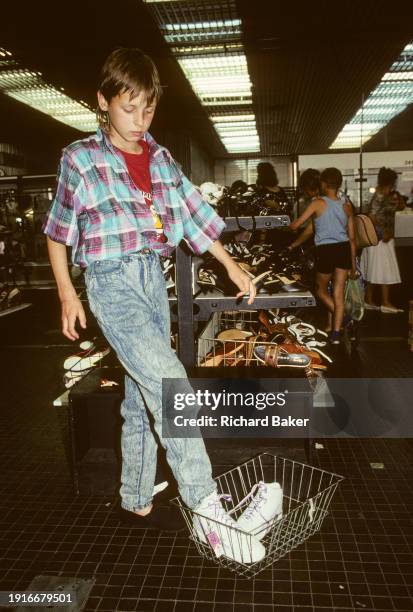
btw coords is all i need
(256, 501)
(219, 513)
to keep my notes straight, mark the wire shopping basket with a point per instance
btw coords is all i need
(306, 496)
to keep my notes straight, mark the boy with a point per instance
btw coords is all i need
(335, 245)
(121, 202)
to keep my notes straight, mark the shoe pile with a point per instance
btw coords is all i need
(276, 340)
(253, 201)
(271, 271)
(239, 539)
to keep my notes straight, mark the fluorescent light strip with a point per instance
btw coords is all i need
(202, 25)
(216, 67)
(206, 50)
(228, 101)
(226, 118)
(238, 132)
(29, 88)
(391, 96)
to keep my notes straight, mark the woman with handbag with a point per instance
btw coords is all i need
(379, 263)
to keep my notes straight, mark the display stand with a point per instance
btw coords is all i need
(200, 308)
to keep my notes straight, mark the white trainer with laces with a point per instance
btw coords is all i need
(265, 507)
(216, 527)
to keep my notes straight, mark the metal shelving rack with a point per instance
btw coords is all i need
(192, 309)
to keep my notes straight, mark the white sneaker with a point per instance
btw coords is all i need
(265, 507)
(220, 531)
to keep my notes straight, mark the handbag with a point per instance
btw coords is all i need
(365, 232)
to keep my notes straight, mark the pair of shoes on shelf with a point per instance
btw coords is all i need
(239, 539)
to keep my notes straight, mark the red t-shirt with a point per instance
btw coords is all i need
(138, 168)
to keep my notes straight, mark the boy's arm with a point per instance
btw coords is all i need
(310, 210)
(236, 274)
(72, 308)
(307, 232)
(352, 237)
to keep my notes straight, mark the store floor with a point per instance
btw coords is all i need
(361, 560)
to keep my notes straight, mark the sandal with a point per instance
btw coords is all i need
(315, 357)
(278, 357)
(234, 334)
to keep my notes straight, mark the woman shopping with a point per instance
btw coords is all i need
(379, 263)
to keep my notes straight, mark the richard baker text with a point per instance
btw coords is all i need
(241, 421)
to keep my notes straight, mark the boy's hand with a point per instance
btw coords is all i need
(243, 282)
(353, 274)
(72, 310)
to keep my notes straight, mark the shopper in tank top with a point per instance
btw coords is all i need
(335, 245)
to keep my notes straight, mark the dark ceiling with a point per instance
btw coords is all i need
(309, 66)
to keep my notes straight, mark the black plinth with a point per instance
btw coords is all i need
(95, 430)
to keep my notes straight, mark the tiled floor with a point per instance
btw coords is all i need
(360, 560)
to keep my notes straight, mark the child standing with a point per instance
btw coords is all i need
(121, 203)
(335, 245)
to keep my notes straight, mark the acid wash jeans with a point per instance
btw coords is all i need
(129, 299)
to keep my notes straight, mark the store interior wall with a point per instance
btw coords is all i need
(229, 170)
(202, 166)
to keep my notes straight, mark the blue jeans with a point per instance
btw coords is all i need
(129, 300)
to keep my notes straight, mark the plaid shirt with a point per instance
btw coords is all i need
(99, 212)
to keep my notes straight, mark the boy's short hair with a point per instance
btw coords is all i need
(129, 70)
(310, 180)
(387, 177)
(332, 177)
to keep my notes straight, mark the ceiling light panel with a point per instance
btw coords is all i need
(28, 87)
(391, 96)
(205, 38)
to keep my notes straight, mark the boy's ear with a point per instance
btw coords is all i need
(103, 104)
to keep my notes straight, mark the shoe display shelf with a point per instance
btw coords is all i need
(192, 309)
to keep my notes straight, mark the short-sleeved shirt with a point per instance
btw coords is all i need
(99, 212)
(383, 208)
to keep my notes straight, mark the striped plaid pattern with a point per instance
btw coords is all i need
(99, 212)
